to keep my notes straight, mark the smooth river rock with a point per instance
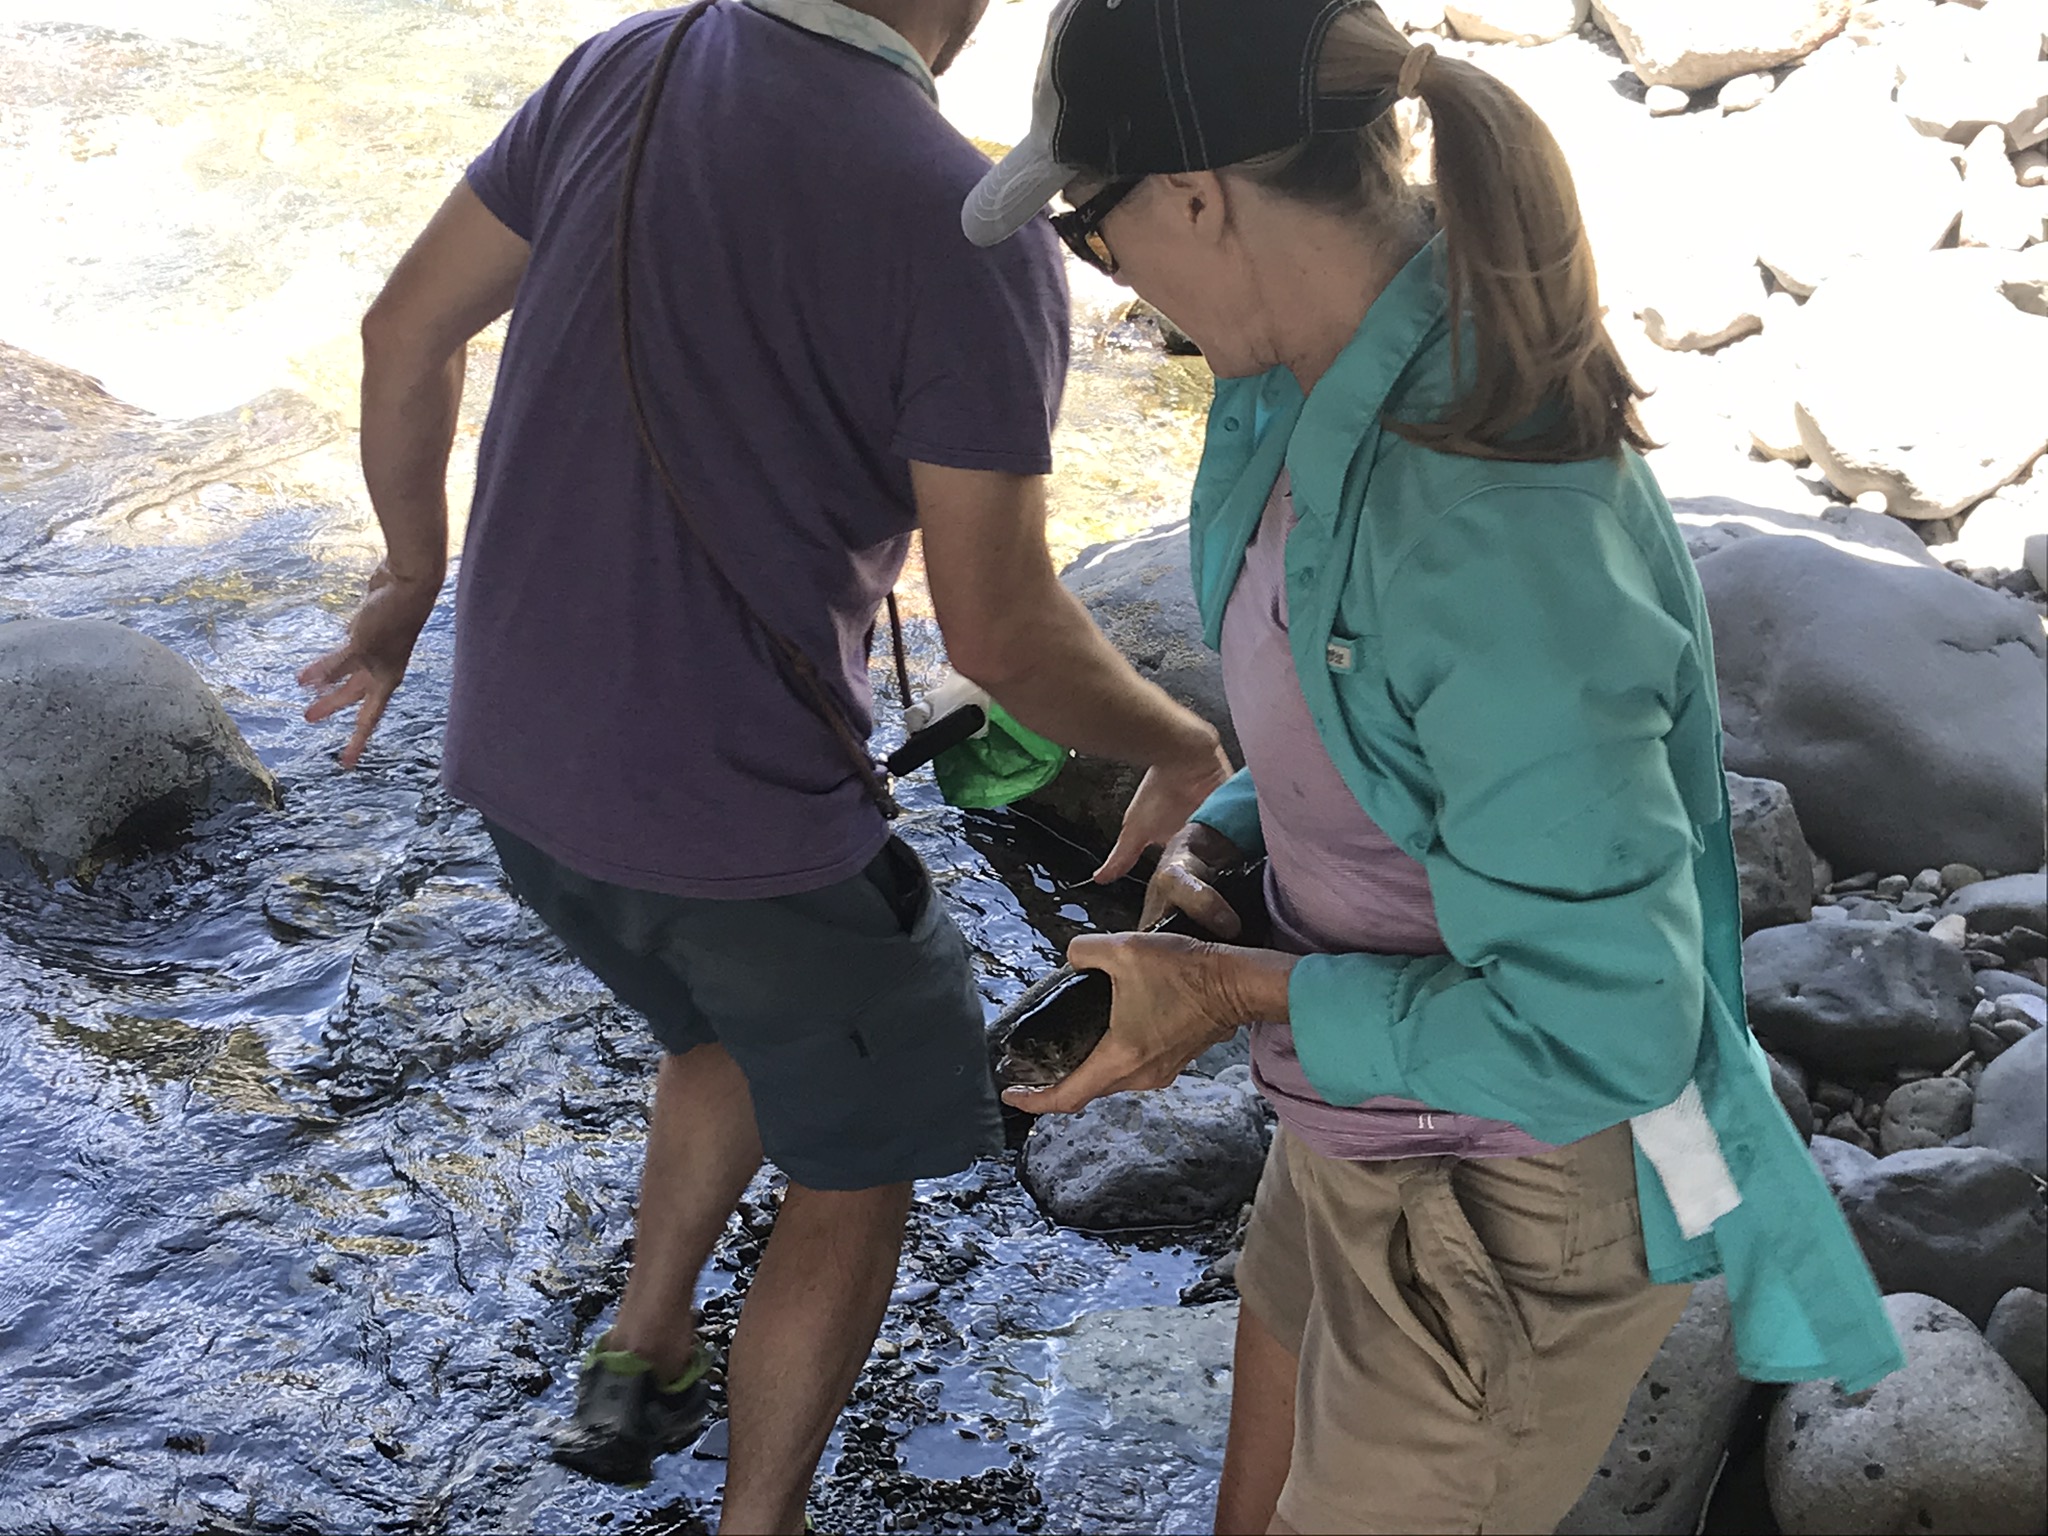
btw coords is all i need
(2012, 1105)
(1904, 707)
(2012, 901)
(1949, 1446)
(1962, 1223)
(1187, 1153)
(1656, 1474)
(1929, 1113)
(109, 734)
(2018, 1330)
(1854, 999)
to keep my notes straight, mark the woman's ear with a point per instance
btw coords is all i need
(1198, 201)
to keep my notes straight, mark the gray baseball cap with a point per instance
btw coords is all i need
(1130, 88)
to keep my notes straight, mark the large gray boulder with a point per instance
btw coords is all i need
(1656, 1475)
(2011, 1114)
(2011, 901)
(1184, 1154)
(1711, 523)
(109, 734)
(1856, 999)
(1137, 590)
(2018, 1330)
(1772, 863)
(1681, 43)
(1947, 1446)
(1961, 1223)
(1905, 708)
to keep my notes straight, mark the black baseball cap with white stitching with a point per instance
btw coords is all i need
(1148, 87)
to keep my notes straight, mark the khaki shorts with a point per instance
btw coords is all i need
(1469, 1330)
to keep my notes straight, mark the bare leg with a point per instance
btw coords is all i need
(1261, 1444)
(702, 1148)
(809, 1318)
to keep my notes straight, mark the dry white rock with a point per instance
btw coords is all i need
(1704, 302)
(2030, 167)
(1997, 211)
(1414, 15)
(1761, 382)
(1897, 193)
(1744, 92)
(1996, 531)
(1524, 22)
(1666, 100)
(1961, 70)
(1912, 383)
(1692, 45)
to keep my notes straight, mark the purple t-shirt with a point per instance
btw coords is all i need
(810, 320)
(1335, 883)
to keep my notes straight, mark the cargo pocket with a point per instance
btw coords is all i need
(1458, 1304)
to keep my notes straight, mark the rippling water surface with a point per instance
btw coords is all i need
(316, 1155)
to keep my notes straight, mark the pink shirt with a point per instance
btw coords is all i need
(1335, 882)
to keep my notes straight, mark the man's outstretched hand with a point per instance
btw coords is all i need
(1166, 797)
(367, 669)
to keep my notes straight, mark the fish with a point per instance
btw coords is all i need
(1060, 1018)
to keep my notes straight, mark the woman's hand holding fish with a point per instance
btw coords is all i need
(1174, 997)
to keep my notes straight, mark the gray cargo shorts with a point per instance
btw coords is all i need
(851, 1010)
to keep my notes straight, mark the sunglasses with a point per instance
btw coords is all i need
(1081, 228)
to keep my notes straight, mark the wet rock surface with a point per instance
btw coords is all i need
(1952, 1443)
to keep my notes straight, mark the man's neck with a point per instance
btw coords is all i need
(923, 26)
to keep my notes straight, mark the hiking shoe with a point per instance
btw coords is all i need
(625, 1418)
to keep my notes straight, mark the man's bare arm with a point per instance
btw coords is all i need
(459, 276)
(1012, 628)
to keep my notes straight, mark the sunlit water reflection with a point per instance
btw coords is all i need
(316, 1156)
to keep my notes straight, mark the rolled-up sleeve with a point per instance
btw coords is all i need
(1571, 997)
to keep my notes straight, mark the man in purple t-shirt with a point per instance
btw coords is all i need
(826, 364)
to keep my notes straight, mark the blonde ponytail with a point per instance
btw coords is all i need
(1542, 380)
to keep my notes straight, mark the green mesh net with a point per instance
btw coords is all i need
(1007, 764)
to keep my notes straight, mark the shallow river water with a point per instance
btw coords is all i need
(316, 1155)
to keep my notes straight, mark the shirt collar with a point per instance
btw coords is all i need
(856, 29)
(1403, 321)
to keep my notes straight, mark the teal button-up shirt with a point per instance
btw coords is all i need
(1511, 667)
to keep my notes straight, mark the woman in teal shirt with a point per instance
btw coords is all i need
(1423, 485)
